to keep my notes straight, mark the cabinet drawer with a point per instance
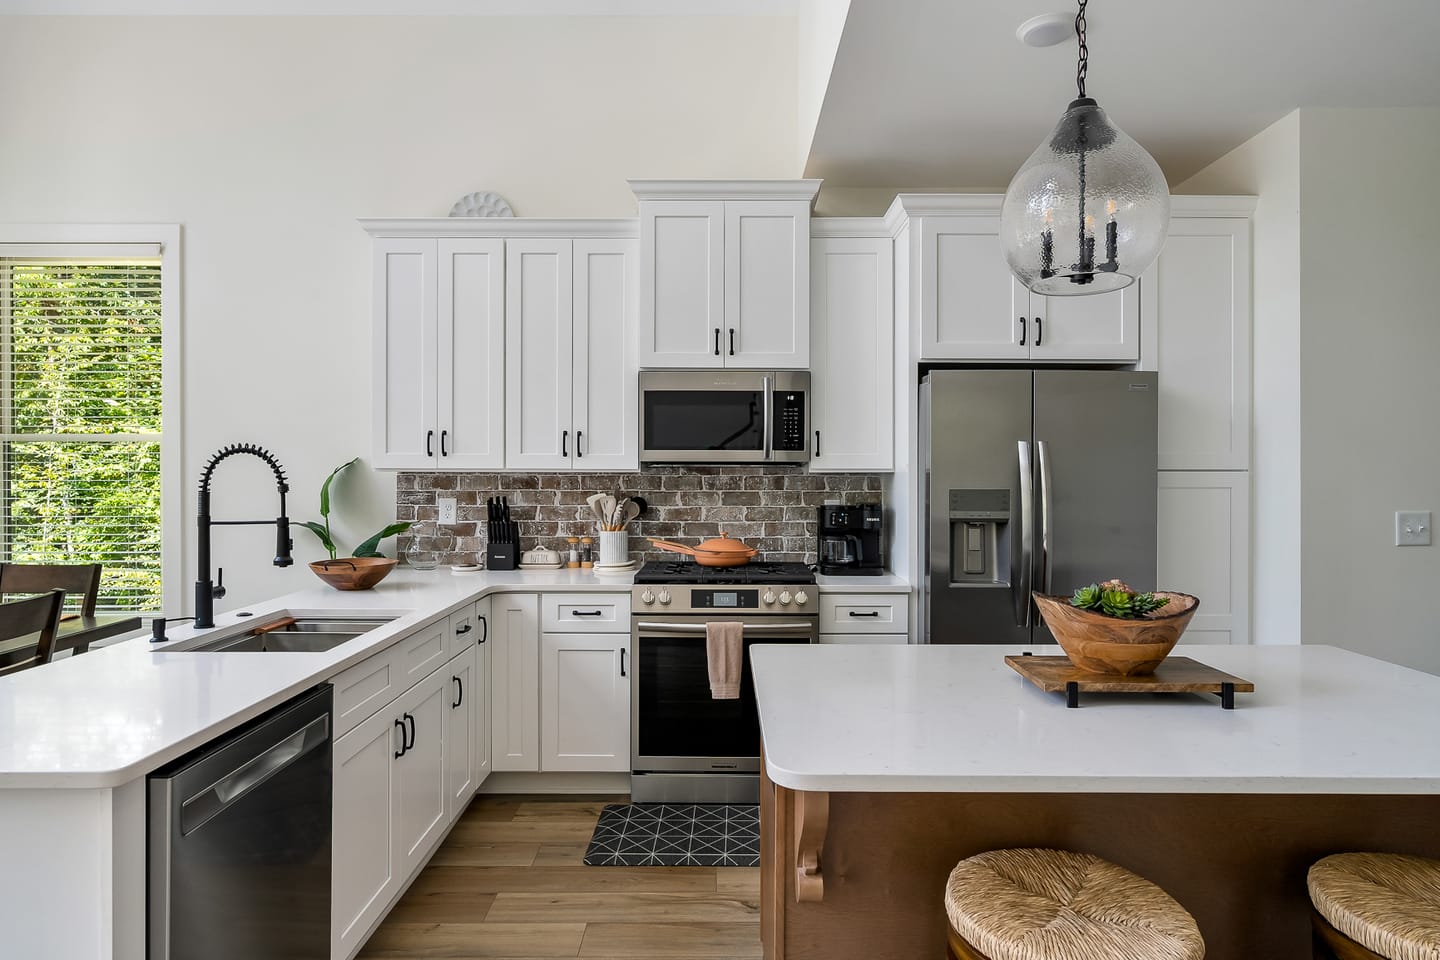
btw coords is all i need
(422, 653)
(365, 688)
(585, 613)
(467, 629)
(892, 639)
(864, 613)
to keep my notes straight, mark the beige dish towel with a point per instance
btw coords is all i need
(724, 650)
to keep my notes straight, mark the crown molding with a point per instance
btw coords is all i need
(725, 189)
(499, 227)
(861, 227)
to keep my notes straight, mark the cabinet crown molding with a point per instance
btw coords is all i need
(499, 227)
(725, 189)
(861, 227)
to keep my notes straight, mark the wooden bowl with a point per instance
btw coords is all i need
(353, 573)
(1104, 644)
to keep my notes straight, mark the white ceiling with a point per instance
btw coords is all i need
(939, 93)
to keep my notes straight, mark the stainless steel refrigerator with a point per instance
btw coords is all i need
(1038, 480)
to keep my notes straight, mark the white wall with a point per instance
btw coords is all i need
(267, 137)
(1268, 166)
(819, 26)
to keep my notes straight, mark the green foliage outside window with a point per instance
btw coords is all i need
(80, 405)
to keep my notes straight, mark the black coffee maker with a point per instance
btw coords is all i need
(849, 539)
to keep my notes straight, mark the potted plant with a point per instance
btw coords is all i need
(366, 566)
(1110, 628)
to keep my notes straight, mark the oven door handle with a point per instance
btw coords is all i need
(645, 626)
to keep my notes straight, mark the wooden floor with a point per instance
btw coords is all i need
(509, 883)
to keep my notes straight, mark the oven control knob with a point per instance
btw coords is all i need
(647, 597)
(769, 596)
(664, 596)
(801, 597)
(784, 597)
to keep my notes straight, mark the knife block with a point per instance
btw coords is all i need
(501, 556)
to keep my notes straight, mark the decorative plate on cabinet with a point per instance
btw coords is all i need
(482, 204)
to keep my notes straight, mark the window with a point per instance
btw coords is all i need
(81, 415)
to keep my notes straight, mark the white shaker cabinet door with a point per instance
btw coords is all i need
(606, 378)
(682, 288)
(515, 682)
(1204, 549)
(852, 345)
(364, 867)
(480, 707)
(767, 285)
(538, 431)
(464, 694)
(971, 306)
(420, 807)
(1103, 326)
(404, 416)
(471, 354)
(585, 702)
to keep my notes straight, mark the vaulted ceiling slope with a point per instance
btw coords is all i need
(940, 93)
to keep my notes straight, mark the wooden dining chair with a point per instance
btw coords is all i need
(37, 616)
(81, 579)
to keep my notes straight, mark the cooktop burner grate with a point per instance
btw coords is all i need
(688, 571)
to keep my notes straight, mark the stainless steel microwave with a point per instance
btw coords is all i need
(724, 416)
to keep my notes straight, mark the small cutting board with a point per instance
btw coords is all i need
(1175, 675)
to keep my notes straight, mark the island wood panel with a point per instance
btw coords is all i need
(1237, 862)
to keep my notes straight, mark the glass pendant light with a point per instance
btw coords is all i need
(1088, 212)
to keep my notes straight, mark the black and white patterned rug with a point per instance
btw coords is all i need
(676, 835)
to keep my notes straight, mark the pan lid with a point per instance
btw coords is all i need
(725, 545)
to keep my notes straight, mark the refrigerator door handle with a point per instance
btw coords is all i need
(1027, 537)
(1047, 513)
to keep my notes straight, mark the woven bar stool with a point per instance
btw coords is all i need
(1384, 906)
(1057, 905)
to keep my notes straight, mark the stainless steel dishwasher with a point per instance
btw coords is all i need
(239, 841)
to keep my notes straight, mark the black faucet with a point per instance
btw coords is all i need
(206, 592)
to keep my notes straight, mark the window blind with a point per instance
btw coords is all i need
(80, 417)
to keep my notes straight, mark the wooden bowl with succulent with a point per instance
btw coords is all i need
(1110, 628)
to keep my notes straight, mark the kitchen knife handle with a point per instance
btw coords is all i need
(1022, 331)
(429, 443)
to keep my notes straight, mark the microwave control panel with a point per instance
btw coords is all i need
(789, 421)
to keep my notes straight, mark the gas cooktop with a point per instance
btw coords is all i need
(688, 571)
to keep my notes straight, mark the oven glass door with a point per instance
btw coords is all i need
(677, 725)
(707, 421)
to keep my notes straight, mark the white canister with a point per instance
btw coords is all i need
(614, 547)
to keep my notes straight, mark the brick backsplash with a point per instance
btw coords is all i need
(772, 508)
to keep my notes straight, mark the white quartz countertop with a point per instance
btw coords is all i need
(885, 583)
(105, 717)
(958, 719)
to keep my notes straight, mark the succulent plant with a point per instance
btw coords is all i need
(1115, 598)
(1144, 603)
(1116, 603)
(1086, 598)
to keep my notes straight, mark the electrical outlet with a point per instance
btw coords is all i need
(447, 509)
(1412, 528)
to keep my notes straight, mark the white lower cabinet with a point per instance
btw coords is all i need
(420, 808)
(515, 682)
(364, 864)
(585, 702)
(459, 739)
(480, 707)
(1204, 549)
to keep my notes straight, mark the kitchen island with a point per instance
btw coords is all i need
(884, 766)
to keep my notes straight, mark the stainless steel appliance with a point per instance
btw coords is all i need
(686, 746)
(1037, 480)
(848, 539)
(239, 841)
(724, 416)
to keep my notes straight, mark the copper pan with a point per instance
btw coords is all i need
(722, 551)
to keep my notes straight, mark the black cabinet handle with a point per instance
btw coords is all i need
(1039, 331)
(585, 613)
(401, 752)
(564, 443)
(461, 630)
(732, 341)
(579, 436)
(443, 435)
(459, 692)
(717, 341)
(872, 613)
(429, 443)
(622, 661)
(1022, 331)
(484, 632)
(817, 443)
(410, 719)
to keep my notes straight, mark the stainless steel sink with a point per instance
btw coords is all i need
(303, 635)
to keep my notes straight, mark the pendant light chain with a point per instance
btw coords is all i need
(1083, 63)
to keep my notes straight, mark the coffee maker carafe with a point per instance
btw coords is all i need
(849, 539)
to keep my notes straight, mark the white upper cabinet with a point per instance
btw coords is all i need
(1204, 549)
(725, 273)
(1105, 326)
(1198, 293)
(572, 390)
(852, 342)
(438, 353)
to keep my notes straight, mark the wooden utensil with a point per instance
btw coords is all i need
(595, 508)
(632, 510)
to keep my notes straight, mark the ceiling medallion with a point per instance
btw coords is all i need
(1085, 180)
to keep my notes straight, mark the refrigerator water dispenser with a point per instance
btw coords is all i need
(980, 537)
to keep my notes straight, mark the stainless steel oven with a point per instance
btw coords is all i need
(685, 745)
(724, 416)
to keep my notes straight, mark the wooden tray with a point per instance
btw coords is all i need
(1175, 675)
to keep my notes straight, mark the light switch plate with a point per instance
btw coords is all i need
(1412, 528)
(446, 506)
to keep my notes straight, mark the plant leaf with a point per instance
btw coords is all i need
(325, 489)
(371, 547)
(320, 532)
